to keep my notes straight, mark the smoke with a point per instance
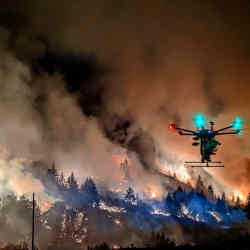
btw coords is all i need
(14, 178)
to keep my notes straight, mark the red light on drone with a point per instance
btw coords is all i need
(171, 126)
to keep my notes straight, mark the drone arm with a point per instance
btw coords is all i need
(216, 131)
(228, 133)
(181, 133)
(186, 130)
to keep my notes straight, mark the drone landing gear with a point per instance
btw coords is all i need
(194, 164)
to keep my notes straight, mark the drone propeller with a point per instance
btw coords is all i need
(237, 123)
(199, 120)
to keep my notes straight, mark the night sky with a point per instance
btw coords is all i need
(84, 81)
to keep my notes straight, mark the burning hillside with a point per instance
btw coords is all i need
(81, 214)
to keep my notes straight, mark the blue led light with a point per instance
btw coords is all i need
(199, 120)
(237, 123)
(239, 132)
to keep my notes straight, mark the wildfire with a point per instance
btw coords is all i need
(153, 192)
(178, 170)
(117, 222)
(45, 206)
(153, 195)
(240, 195)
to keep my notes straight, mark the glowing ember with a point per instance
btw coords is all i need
(111, 209)
(22, 159)
(159, 212)
(216, 216)
(117, 222)
(153, 195)
(4, 150)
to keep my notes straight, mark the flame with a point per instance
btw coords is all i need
(153, 192)
(178, 170)
(45, 206)
(180, 173)
(117, 222)
(240, 195)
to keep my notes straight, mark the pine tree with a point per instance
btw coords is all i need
(233, 199)
(221, 204)
(223, 197)
(238, 203)
(89, 193)
(73, 190)
(53, 174)
(130, 195)
(61, 179)
(210, 192)
(247, 208)
(72, 183)
(179, 195)
(61, 184)
(171, 205)
(200, 187)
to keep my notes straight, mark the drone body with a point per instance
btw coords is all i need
(206, 138)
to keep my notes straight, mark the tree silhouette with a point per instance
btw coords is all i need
(61, 183)
(73, 190)
(130, 195)
(247, 207)
(210, 192)
(52, 173)
(89, 194)
(72, 183)
(171, 205)
(200, 187)
(238, 203)
(221, 205)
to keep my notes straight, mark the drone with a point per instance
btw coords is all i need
(205, 137)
